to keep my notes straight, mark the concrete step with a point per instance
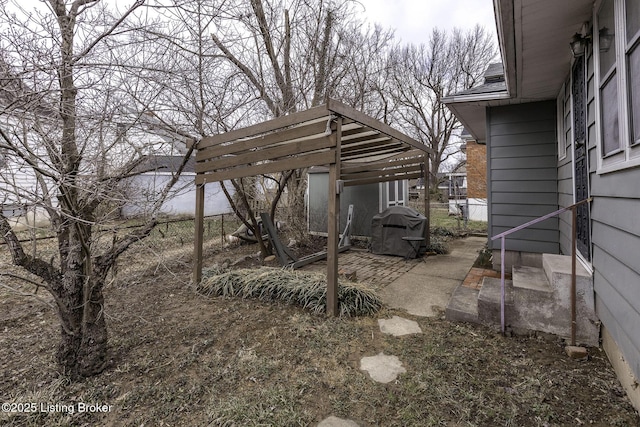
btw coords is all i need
(463, 305)
(530, 279)
(536, 299)
(558, 271)
(489, 301)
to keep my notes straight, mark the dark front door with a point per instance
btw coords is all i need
(580, 155)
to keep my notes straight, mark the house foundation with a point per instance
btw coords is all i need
(629, 382)
(515, 258)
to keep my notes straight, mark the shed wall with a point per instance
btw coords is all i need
(364, 198)
(181, 201)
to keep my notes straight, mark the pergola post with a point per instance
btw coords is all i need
(427, 202)
(199, 229)
(333, 223)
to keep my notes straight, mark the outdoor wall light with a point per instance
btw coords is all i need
(580, 40)
(578, 45)
(605, 39)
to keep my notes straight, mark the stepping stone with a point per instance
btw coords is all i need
(337, 422)
(382, 368)
(398, 326)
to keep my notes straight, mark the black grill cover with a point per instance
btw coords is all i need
(390, 226)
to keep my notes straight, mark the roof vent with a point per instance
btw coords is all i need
(494, 73)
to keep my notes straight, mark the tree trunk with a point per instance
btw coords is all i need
(83, 346)
(296, 215)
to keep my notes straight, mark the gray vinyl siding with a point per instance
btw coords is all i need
(523, 170)
(616, 248)
(615, 235)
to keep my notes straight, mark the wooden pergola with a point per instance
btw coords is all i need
(357, 149)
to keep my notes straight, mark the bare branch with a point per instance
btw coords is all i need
(107, 33)
(27, 294)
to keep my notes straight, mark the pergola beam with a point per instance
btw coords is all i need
(342, 109)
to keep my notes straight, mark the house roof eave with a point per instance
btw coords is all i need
(480, 97)
(471, 110)
(534, 38)
(503, 11)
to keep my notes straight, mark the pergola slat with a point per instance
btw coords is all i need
(379, 172)
(298, 162)
(340, 108)
(264, 127)
(386, 149)
(369, 143)
(349, 169)
(365, 139)
(406, 154)
(348, 135)
(279, 137)
(382, 179)
(274, 153)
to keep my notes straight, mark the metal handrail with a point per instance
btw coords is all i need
(502, 236)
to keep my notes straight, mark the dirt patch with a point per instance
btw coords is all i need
(179, 358)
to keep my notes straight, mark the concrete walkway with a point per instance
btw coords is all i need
(426, 288)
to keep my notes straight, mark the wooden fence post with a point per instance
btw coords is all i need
(198, 230)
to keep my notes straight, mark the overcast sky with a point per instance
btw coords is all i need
(413, 20)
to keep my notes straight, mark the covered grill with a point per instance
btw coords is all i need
(400, 231)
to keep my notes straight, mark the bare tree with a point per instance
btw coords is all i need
(64, 125)
(363, 68)
(424, 74)
(289, 59)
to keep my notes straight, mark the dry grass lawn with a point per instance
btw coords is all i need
(180, 358)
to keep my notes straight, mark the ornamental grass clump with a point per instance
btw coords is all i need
(307, 290)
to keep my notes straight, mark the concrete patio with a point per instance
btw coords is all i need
(422, 287)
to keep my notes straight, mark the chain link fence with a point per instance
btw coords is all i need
(454, 217)
(169, 246)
